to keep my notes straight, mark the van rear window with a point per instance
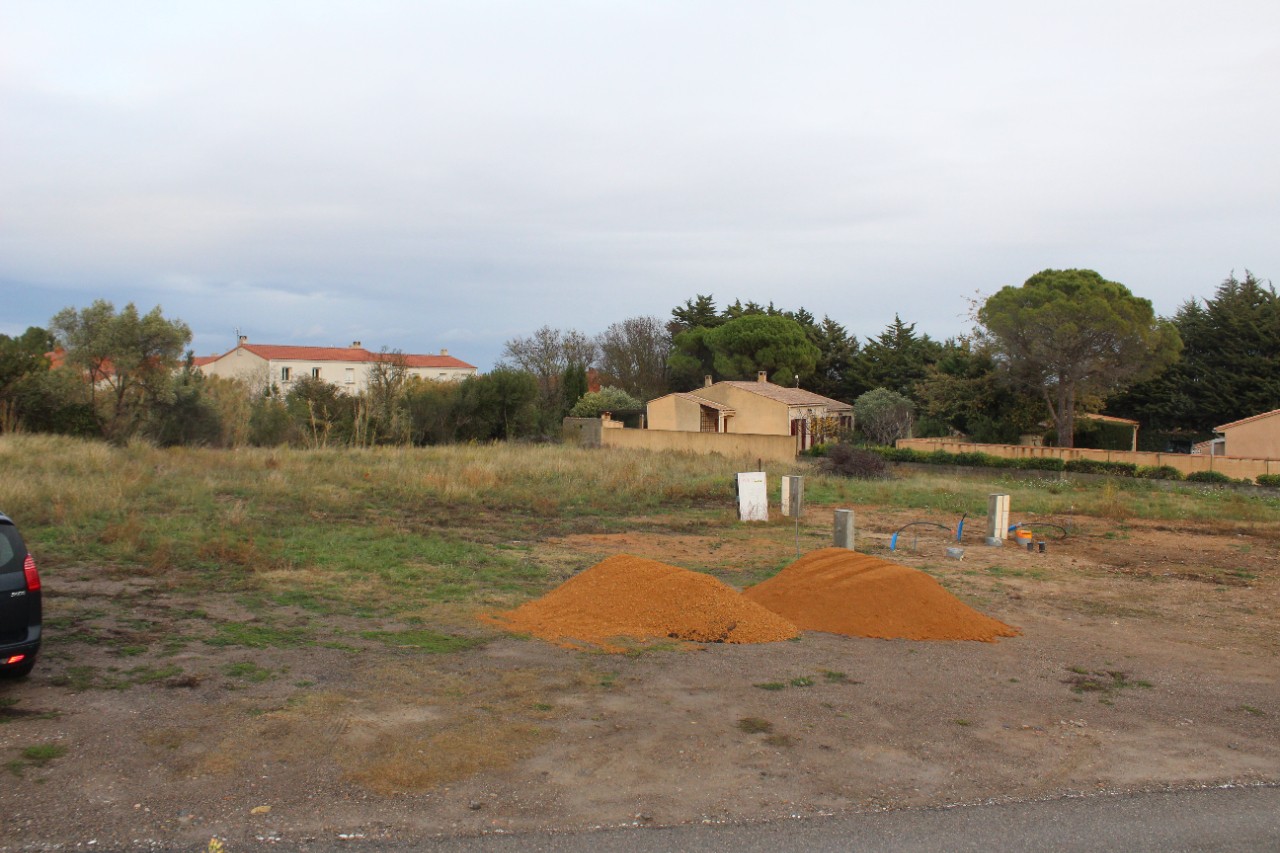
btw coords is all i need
(11, 550)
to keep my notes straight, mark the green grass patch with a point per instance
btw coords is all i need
(247, 671)
(77, 679)
(1003, 572)
(151, 674)
(35, 756)
(42, 754)
(254, 635)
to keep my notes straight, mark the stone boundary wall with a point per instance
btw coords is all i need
(589, 432)
(1238, 467)
(769, 448)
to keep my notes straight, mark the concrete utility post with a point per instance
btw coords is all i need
(793, 502)
(842, 531)
(792, 496)
(997, 519)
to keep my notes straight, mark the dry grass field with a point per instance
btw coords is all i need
(260, 645)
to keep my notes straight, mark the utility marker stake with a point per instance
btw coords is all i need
(997, 517)
(793, 502)
(842, 529)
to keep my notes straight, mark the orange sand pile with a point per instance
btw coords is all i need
(843, 592)
(627, 596)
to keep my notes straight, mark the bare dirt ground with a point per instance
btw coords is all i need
(1148, 659)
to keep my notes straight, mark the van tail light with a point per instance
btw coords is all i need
(12, 660)
(33, 576)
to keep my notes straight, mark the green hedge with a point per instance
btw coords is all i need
(1079, 466)
(971, 460)
(1159, 472)
(1097, 466)
(1208, 477)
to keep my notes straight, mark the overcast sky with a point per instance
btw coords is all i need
(419, 175)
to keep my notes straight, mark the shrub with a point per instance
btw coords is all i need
(1270, 480)
(1039, 463)
(1097, 466)
(940, 457)
(883, 415)
(1159, 472)
(978, 460)
(607, 399)
(852, 462)
(899, 454)
(1215, 477)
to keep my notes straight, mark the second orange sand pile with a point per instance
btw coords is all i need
(844, 592)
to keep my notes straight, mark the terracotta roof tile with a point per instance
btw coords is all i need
(436, 361)
(790, 396)
(280, 352)
(703, 401)
(1249, 419)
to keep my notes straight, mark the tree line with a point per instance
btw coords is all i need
(1065, 342)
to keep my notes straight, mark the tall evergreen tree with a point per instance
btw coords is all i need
(1230, 365)
(837, 354)
(897, 359)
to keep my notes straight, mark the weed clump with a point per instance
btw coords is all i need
(848, 461)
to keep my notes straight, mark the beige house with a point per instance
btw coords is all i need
(751, 408)
(345, 367)
(1257, 437)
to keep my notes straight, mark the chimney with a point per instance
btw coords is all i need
(443, 351)
(355, 345)
(244, 339)
(762, 376)
(706, 381)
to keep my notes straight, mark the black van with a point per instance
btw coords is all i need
(20, 609)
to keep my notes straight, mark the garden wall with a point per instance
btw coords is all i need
(590, 432)
(1237, 467)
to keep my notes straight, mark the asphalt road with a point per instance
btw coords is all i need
(1240, 820)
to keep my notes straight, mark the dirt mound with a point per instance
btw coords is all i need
(631, 597)
(844, 592)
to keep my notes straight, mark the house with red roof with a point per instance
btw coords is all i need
(345, 367)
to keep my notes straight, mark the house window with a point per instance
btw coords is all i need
(285, 373)
(351, 376)
(315, 373)
(710, 420)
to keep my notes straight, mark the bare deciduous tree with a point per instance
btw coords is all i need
(633, 356)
